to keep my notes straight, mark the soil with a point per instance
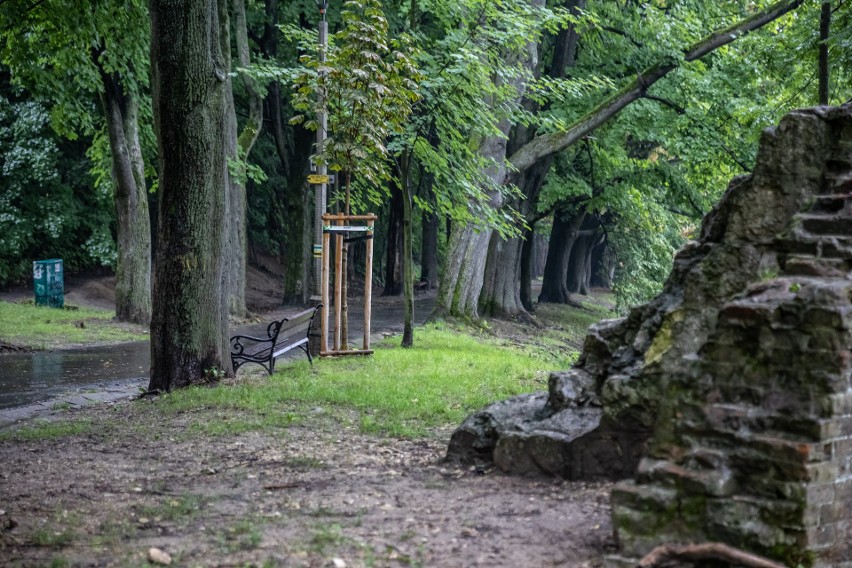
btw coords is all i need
(317, 493)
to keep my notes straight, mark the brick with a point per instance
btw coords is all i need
(822, 472)
(819, 494)
(822, 535)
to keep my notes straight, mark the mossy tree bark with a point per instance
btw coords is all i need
(133, 269)
(189, 327)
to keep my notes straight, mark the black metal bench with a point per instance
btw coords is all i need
(282, 336)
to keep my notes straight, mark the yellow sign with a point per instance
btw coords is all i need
(316, 179)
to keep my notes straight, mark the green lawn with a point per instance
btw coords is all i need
(40, 327)
(449, 373)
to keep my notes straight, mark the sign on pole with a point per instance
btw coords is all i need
(317, 179)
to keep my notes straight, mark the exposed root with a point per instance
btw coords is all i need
(705, 551)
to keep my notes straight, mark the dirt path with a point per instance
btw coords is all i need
(316, 494)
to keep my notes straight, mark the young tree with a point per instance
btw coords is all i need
(370, 84)
(189, 328)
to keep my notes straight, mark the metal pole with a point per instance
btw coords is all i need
(322, 169)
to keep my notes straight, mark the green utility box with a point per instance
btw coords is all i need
(49, 283)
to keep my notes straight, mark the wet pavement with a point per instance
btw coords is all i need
(44, 384)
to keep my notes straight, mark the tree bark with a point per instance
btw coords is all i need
(235, 246)
(527, 259)
(189, 327)
(824, 31)
(394, 243)
(549, 144)
(429, 250)
(554, 288)
(602, 266)
(407, 257)
(133, 269)
(239, 146)
(578, 266)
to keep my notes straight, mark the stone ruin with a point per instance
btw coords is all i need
(724, 405)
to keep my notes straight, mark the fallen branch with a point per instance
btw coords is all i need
(705, 551)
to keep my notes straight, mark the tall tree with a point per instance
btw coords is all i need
(465, 263)
(239, 146)
(501, 294)
(66, 52)
(189, 328)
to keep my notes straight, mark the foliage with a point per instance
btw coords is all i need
(47, 207)
(369, 81)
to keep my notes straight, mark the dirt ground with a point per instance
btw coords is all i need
(317, 493)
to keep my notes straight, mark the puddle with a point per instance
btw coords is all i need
(26, 378)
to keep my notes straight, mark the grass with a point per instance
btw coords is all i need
(397, 392)
(448, 374)
(43, 430)
(40, 327)
(181, 509)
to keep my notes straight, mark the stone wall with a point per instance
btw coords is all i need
(734, 383)
(753, 446)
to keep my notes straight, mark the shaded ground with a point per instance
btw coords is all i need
(125, 477)
(303, 496)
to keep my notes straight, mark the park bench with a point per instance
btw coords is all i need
(282, 336)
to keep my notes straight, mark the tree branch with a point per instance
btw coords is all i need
(675, 107)
(623, 34)
(548, 144)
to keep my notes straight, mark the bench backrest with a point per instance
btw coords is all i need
(296, 324)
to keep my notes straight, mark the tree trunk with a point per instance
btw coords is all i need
(133, 269)
(429, 250)
(540, 245)
(408, 257)
(824, 31)
(241, 146)
(578, 265)
(394, 243)
(189, 327)
(527, 260)
(464, 273)
(502, 293)
(602, 266)
(554, 288)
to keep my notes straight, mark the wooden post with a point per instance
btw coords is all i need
(326, 238)
(368, 287)
(338, 287)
